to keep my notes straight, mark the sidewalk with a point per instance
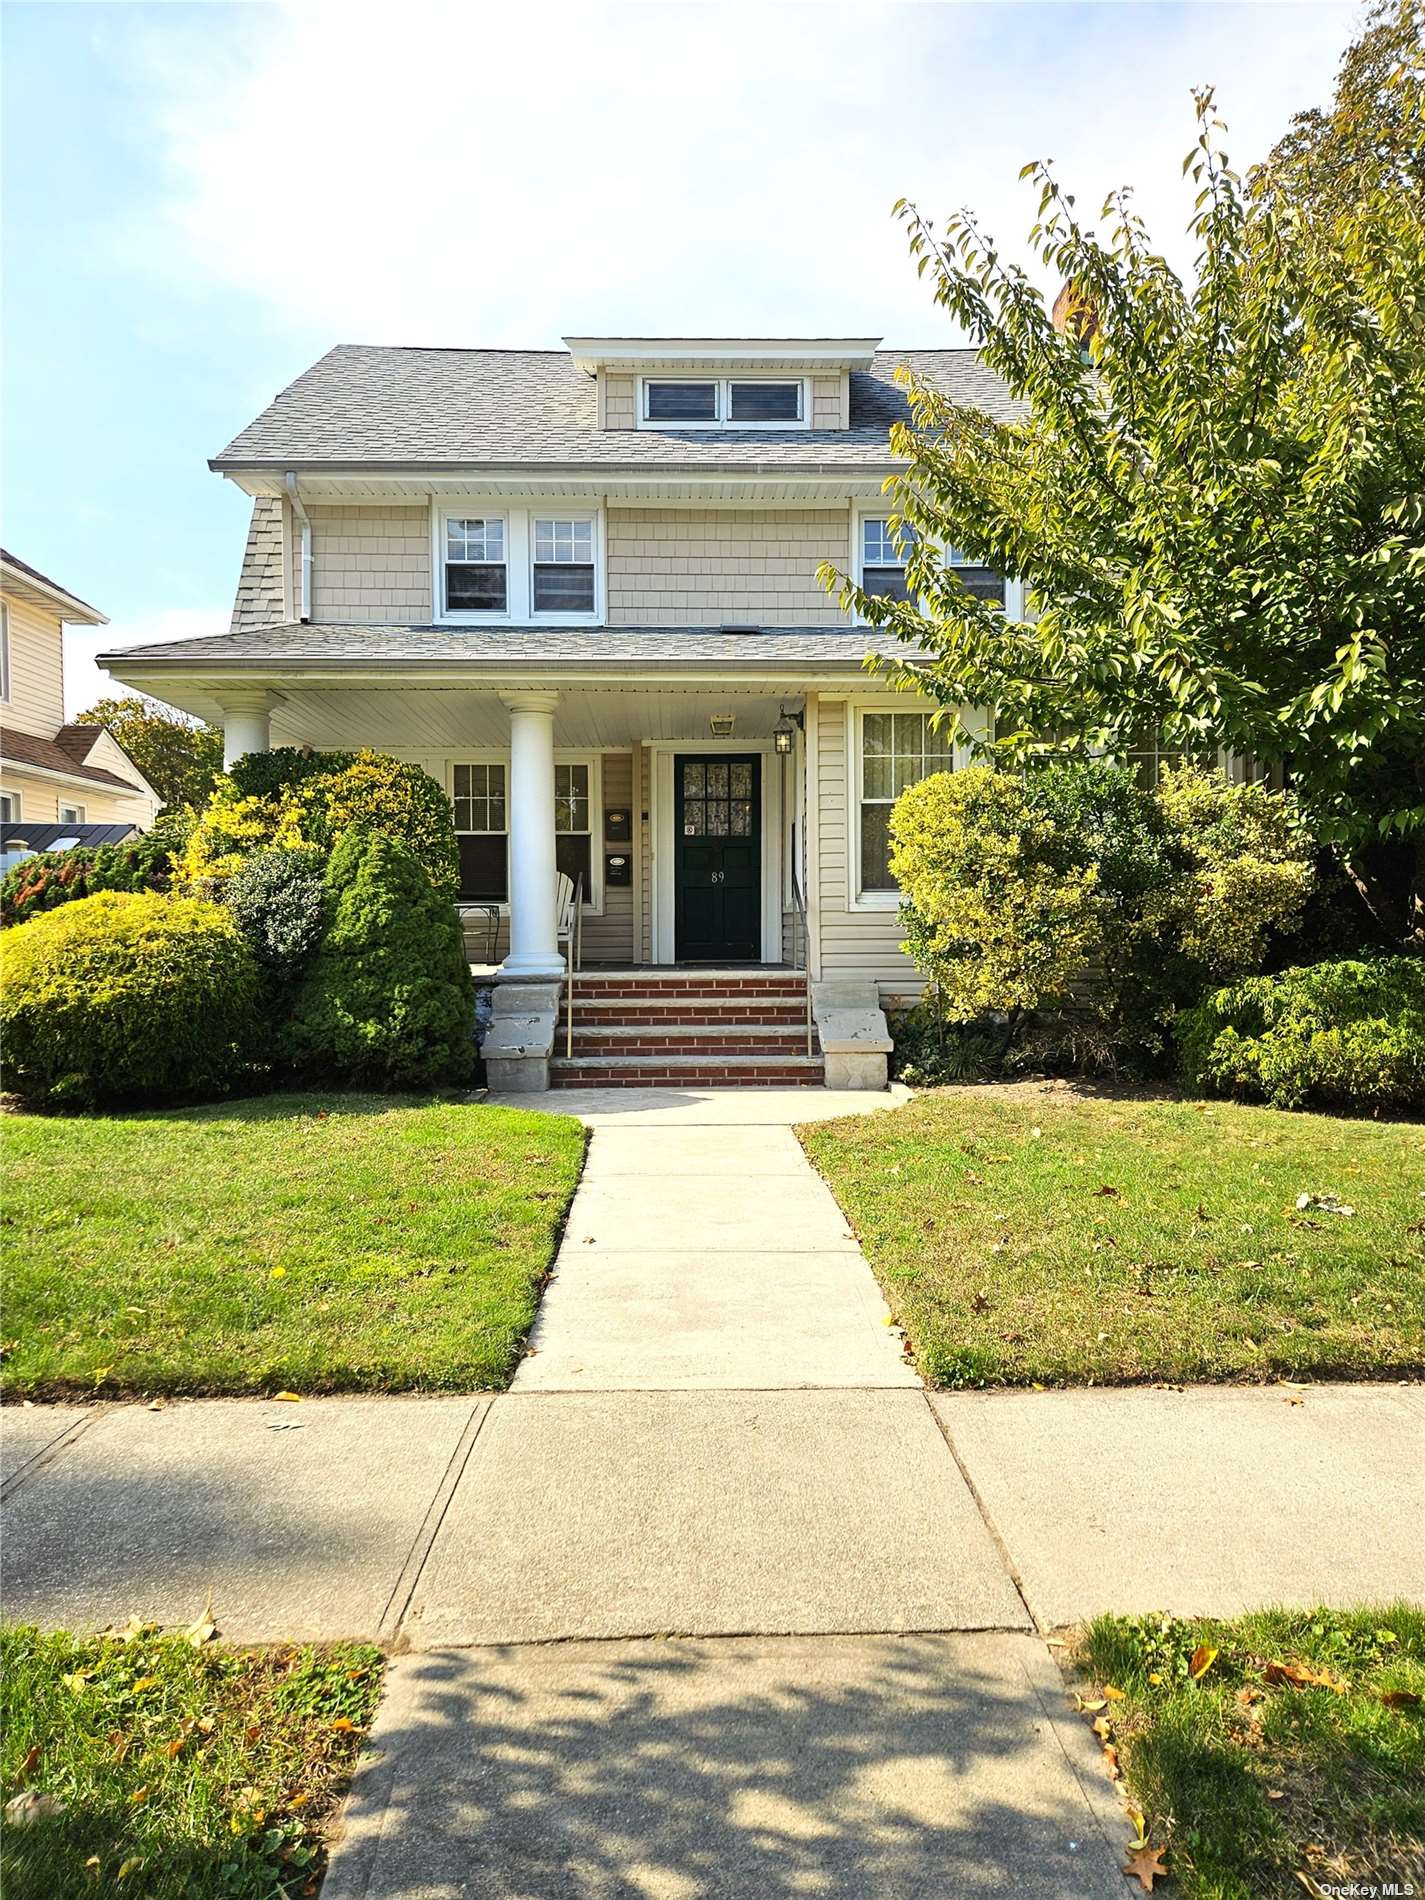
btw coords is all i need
(716, 1599)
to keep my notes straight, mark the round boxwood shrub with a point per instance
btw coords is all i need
(51, 878)
(1349, 1032)
(127, 997)
(279, 901)
(387, 1000)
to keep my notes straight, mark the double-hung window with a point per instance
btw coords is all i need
(897, 749)
(982, 582)
(563, 574)
(883, 557)
(71, 814)
(482, 831)
(476, 566)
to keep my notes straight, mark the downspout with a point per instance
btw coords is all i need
(304, 610)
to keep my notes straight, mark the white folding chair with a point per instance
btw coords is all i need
(568, 905)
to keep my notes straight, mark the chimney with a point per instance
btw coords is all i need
(1074, 316)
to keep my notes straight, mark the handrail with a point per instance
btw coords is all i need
(799, 910)
(576, 951)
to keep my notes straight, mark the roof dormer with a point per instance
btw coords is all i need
(672, 384)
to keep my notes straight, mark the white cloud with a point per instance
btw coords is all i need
(443, 173)
(84, 682)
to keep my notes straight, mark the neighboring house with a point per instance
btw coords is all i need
(579, 587)
(56, 780)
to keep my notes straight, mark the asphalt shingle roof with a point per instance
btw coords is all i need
(68, 752)
(364, 405)
(295, 644)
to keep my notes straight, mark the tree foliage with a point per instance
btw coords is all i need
(1215, 489)
(180, 757)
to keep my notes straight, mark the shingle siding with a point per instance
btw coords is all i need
(672, 567)
(370, 565)
(260, 600)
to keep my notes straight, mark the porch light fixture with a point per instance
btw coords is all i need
(721, 724)
(784, 732)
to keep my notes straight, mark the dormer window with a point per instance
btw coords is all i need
(680, 402)
(724, 402)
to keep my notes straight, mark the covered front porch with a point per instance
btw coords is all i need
(680, 814)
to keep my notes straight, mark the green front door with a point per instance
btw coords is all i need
(718, 859)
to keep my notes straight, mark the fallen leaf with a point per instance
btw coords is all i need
(1202, 1659)
(1103, 1728)
(1301, 1676)
(175, 1747)
(1105, 1193)
(1110, 1756)
(1390, 1699)
(31, 1807)
(1114, 1695)
(1276, 1794)
(27, 1766)
(277, 1273)
(1247, 1695)
(292, 1398)
(101, 1373)
(138, 1797)
(1090, 1708)
(345, 1724)
(1147, 1865)
(140, 1683)
(1140, 1836)
(155, 1405)
(131, 1866)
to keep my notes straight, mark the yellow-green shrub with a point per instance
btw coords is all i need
(991, 915)
(127, 997)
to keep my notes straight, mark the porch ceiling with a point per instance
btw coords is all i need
(443, 719)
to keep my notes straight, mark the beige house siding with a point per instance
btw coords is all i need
(41, 798)
(619, 394)
(36, 702)
(672, 567)
(860, 944)
(261, 599)
(826, 402)
(369, 565)
(609, 939)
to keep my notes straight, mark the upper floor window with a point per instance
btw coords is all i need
(680, 402)
(751, 402)
(476, 572)
(563, 567)
(883, 557)
(71, 814)
(982, 582)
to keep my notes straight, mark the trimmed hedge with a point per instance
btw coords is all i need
(127, 997)
(279, 901)
(387, 1001)
(1351, 1033)
(51, 878)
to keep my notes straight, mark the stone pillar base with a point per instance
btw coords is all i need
(520, 1039)
(855, 1039)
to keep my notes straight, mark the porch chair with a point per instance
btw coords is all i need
(568, 917)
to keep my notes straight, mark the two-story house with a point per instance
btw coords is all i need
(56, 780)
(580, 588)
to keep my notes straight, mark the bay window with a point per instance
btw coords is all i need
(895, 749)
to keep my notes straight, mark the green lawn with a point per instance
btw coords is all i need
(1024, 1240)
(318, 1243)
(179, 1772)
(1293, 1762)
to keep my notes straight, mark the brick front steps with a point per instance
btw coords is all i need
(687, 1029)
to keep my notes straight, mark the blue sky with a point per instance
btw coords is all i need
(200, 199)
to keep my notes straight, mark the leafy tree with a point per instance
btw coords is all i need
(180, 757)
(1215, 492)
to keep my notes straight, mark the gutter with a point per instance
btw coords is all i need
(304, 606)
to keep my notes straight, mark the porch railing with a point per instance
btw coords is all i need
(576, 951)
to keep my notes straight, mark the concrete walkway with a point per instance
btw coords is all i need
(716, 1600)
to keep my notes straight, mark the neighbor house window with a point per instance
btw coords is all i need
(680, 402)
(476, 572)
(573, 835)
(883, 559)
(481, 831)
(897, 749)
(563, 567)
(71, 814)
(724, 402)
(9, 808)
(4, 652)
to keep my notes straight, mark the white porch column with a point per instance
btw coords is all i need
(247, 725)
(534, 952)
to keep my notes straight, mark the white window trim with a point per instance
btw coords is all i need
(4, 653)
(519, 561)
(594, 897)
(856, 710)
(1013, 586)
(16, 817)
(76, 814)
(723, 385)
